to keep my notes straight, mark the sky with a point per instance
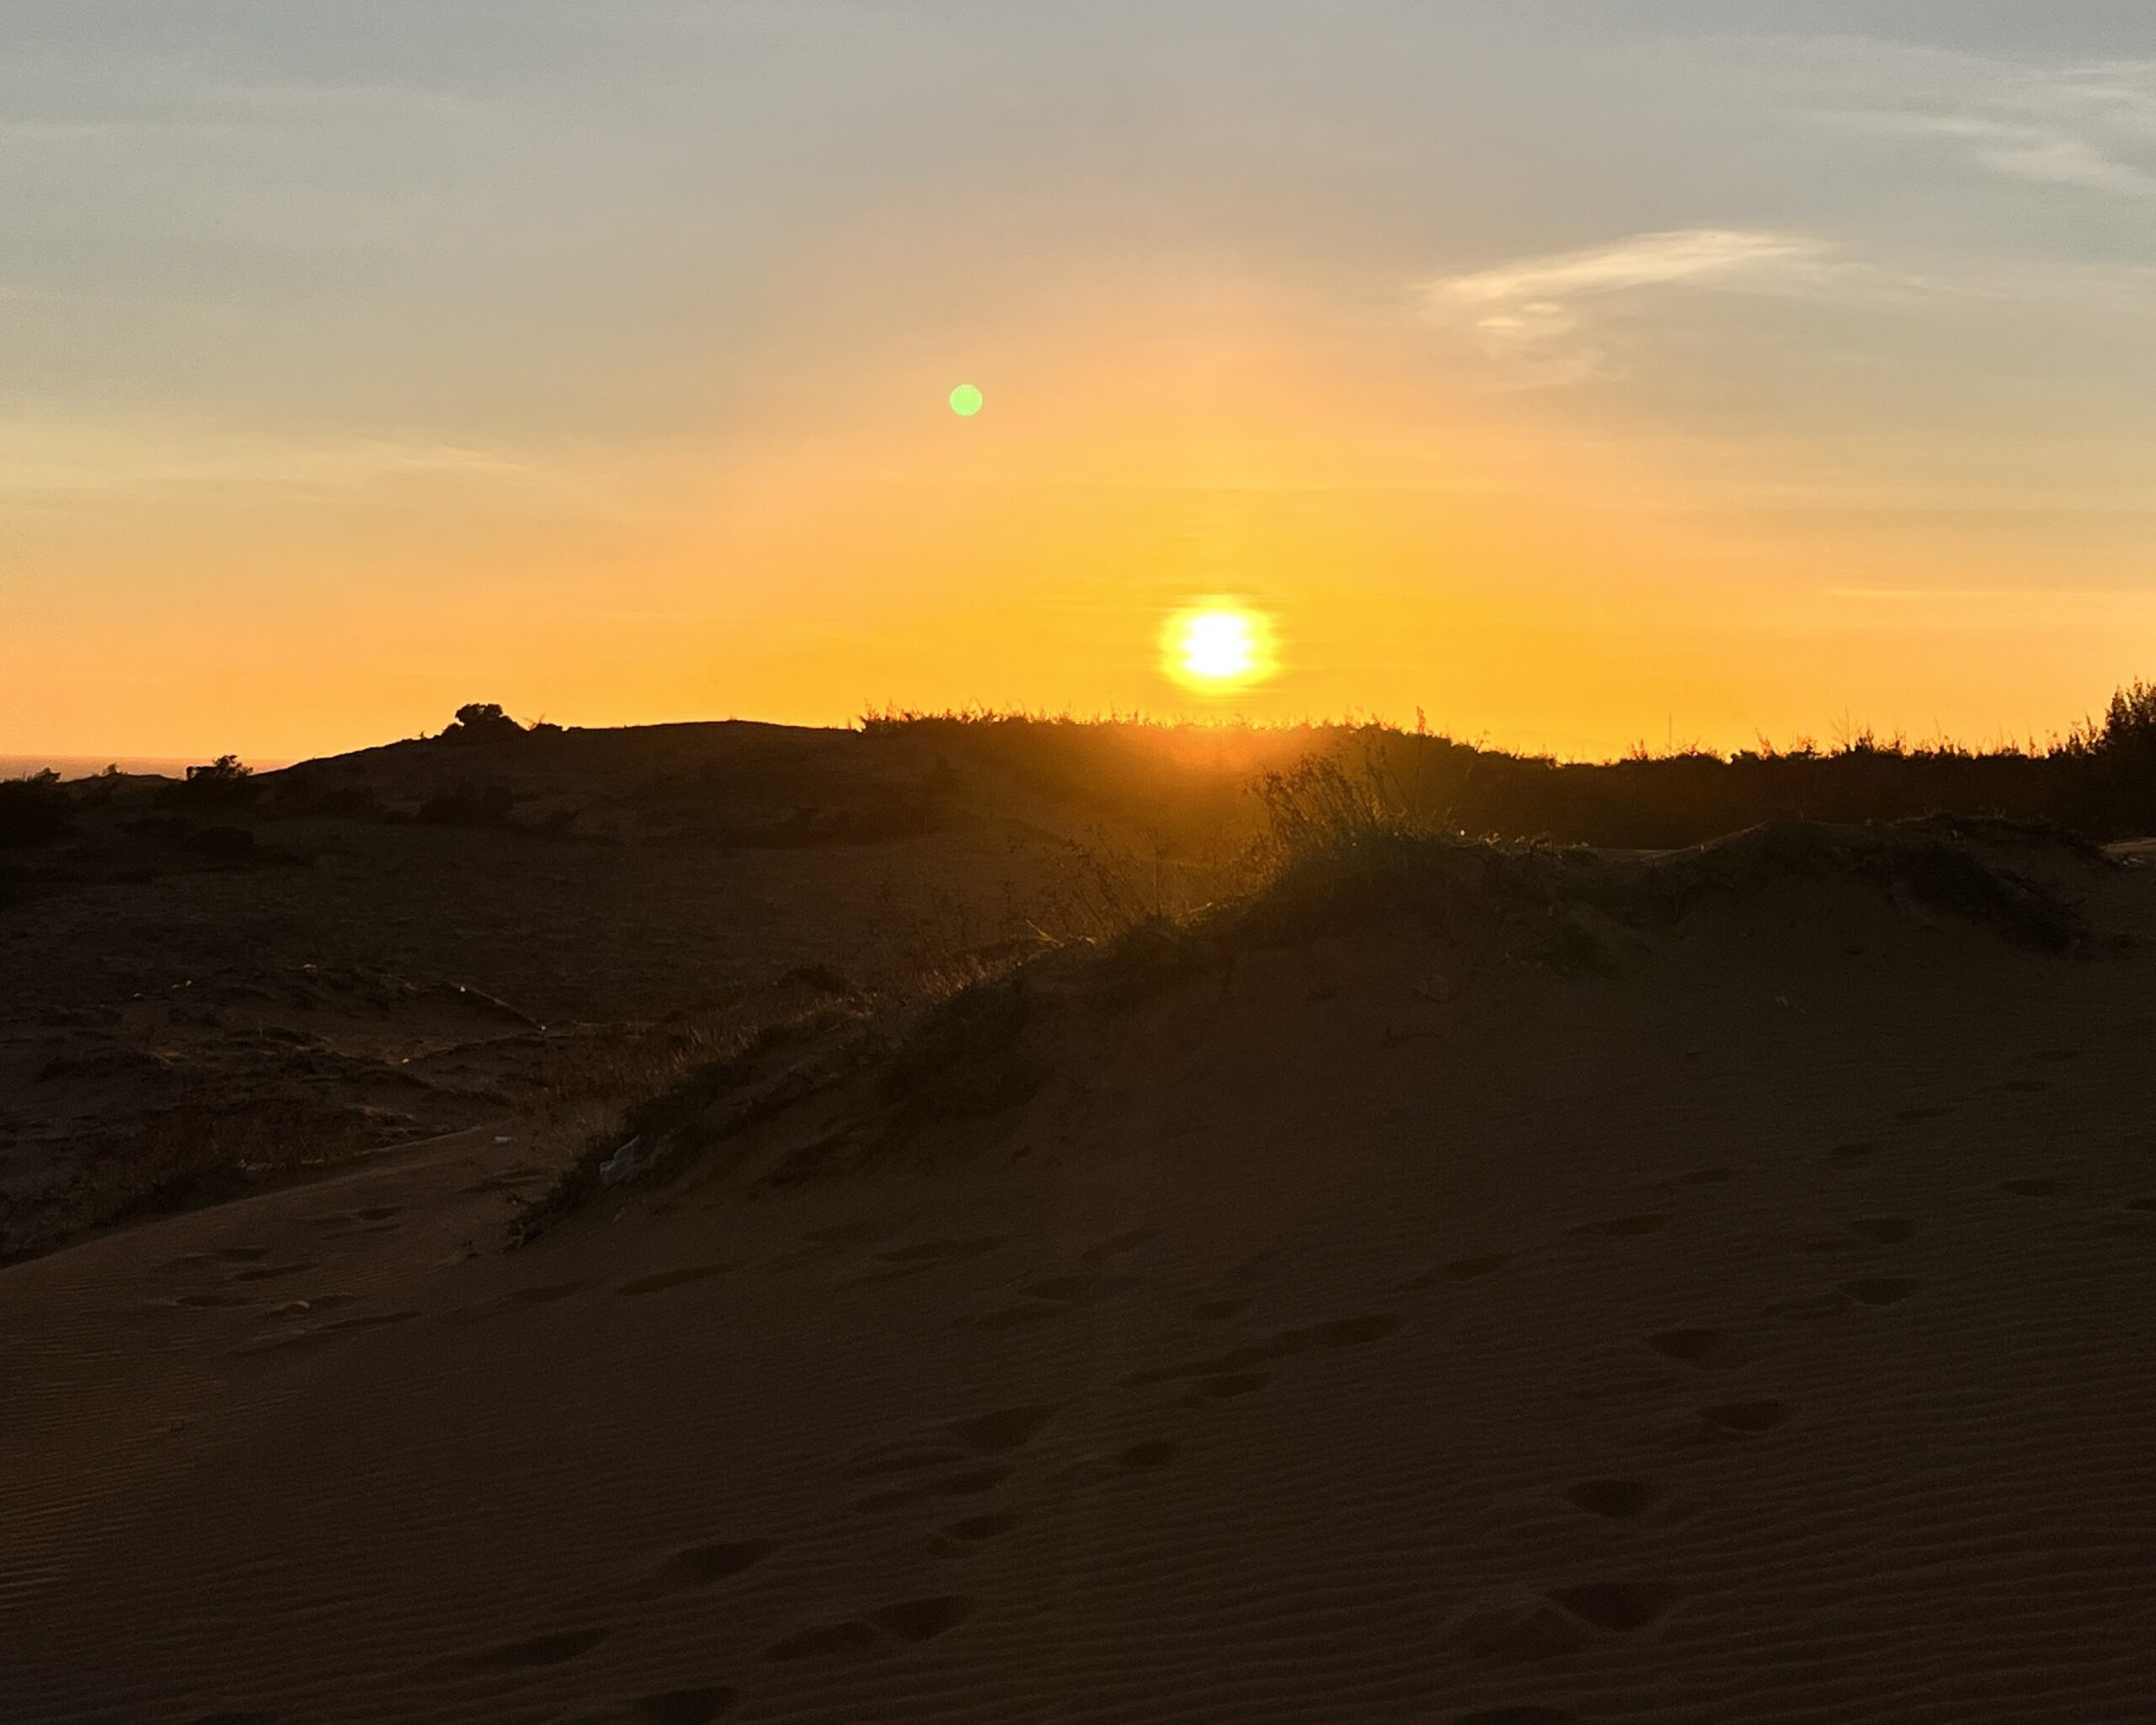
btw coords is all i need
(1578, 372)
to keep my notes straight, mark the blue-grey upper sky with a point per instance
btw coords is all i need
(304, 302)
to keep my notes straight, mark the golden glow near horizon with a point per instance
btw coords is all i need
(1560, 469)
(1217, 647)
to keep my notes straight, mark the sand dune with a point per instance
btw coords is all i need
(1711, 1290)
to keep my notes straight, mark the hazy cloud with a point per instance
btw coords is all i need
(1533, 311)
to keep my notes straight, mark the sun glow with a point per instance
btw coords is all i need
(1217, 646)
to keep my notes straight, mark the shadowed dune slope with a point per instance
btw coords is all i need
(1465, 1285)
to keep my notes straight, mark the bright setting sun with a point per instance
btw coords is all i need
(1218, 646)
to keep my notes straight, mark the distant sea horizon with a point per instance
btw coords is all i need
(84, 766)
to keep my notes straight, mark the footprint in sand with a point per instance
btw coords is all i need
(970, 1483)
(373, 1321)
(1618, 1499)
(826, 1641)
(909, 1620)
(545, 1293)
(1748, 1419)
(1618, 1606)
(1460, 1269)
(1695, 1347)
(1879, 1290)
(314, 1305)
(662, 1280)
(924, 1619)
(532, 1653)
(704, 1566)
(864, 1233)
(1012, 1318)
(904, 1458)
(685, 1706)
(931, 1251)
(1520, 1632)
(976, 1528)
(995, 1434)
(1138, 1458)
(1353, 1331)
(1072, 1290)
(1334, 1332)
(1627, 1227)
(1223, 1388)
(1117, 1246)
(1008, 1429)
(925, 1256)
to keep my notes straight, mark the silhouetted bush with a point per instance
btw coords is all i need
(33, 808)
(482, 722)
(2099, 781)
(224, 782)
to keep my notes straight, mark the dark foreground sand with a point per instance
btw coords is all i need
(1348, 1328)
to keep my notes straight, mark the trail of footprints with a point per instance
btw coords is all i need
(1620, 1608)
(246, 1280)
(947, 1467)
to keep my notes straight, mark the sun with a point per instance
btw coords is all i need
(1217, 646)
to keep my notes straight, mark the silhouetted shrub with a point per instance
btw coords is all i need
(225, 770)
(2130, 724)
(1347, 783)
(224, 782)
(33, 808)
(482, 722)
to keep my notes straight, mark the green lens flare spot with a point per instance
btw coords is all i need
(965, 401)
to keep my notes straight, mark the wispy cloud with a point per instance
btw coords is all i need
(83, 455)
(2036, 154)
(2090, 127)
(1688, 255)
(1532, 311)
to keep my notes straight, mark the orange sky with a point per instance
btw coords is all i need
(1700, 457)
